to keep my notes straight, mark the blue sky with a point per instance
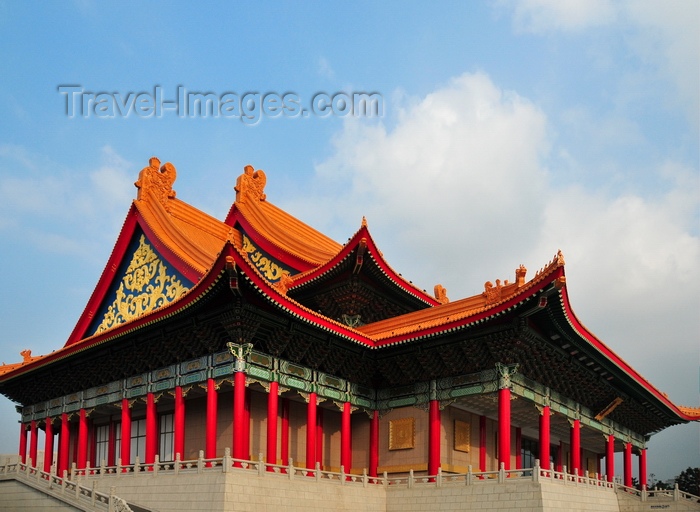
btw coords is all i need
(510, 130)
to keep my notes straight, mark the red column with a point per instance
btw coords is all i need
(63, 445)
(111, 445)
(179, 424)
(482, 443)
(272, 412)
(544, 437)
(575, 438)
(23, 443)
(319, 436)
(151, 429)
(504, 427)
(345, 436)
(48, 445)
(284, 435)
(518, 448)
(434, 437)
(246, 425)
(126, 433)
(210, 427)
(311, 432)
(374, 444)
(610, 458)
(628, 465)
(82, 440)
(33, 443)
(92, 444)
(643, 467)
(240, 446)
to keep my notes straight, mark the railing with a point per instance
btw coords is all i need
(68, 491)
(222, 464)
(225, 464)
(644, 494)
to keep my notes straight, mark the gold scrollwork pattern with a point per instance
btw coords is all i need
(268, 268)
(145, 286)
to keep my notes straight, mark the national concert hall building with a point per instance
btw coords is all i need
(261, 334)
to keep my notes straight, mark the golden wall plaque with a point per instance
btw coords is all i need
(462, 436)
(402, 433)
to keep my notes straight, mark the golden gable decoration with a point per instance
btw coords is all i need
(145, 286)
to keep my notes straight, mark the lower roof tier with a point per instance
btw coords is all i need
(529, 335)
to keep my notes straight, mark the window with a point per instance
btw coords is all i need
(101, 444)
(117, 442)
(167, 437)
(529, 451)
(138, 440)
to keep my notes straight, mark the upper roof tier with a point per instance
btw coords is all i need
(288, 239)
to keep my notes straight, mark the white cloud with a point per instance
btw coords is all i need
(540, 16)
(458, 193)
(457, 174)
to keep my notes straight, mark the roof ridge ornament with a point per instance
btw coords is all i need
(156, 181)
(441, 294)
(250, 185)
(520, 273)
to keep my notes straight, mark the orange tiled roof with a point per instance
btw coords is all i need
(492, 296)
(195, 237)
(27, 357)
(691, 412)
(279, 228)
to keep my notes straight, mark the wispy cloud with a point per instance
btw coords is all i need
(540, 16)
(664, 36)
(59, 209)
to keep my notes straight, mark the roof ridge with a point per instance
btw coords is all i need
(491, 297)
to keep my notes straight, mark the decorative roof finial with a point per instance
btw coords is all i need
(364, 222)
(441, 294)
(560, 258)
(156, 181)
(250, 185)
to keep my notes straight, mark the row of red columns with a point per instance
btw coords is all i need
(575, 442)
(241, 434)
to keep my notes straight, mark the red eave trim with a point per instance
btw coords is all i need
(106, 278)
(171, 257)
(473, 319)
(287, 258)
(582, 331)
(294, 308)
(198, 291)
(126, 235)
(375, 255)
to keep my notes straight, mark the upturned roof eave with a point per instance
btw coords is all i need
(622, 368)
(196, 293)
(372, 251)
